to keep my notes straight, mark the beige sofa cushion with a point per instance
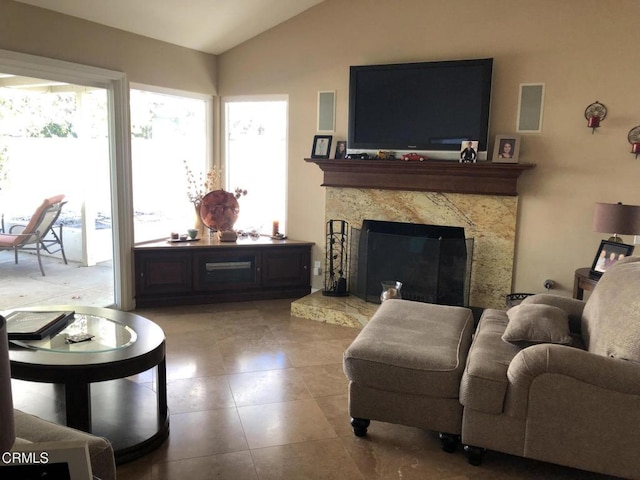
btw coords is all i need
(484, 383)
(531, 324)
(612, 314)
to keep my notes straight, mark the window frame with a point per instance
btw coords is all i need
(209, 120)
(224, 157)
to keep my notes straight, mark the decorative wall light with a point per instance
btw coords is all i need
(634, 140)
(595, 113)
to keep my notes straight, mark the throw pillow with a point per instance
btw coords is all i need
(536, 323)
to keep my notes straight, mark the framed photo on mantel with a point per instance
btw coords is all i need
(321, 146)
(506, 149)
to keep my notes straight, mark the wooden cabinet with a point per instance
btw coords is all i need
(285, 266)
(208, 271)
(159, 273)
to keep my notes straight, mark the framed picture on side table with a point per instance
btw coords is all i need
(321, 146)
(608, 254)
(506, 149)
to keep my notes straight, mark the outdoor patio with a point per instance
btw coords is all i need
(73, 284)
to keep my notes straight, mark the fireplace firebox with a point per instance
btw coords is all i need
(433, 262)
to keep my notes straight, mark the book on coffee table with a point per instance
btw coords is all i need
(26, 325)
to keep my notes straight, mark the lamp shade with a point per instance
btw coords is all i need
(617, 218)
(7, 427)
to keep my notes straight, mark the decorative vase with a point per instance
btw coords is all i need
(198, 224)
(390, 289)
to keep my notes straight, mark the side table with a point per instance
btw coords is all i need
(583, 280)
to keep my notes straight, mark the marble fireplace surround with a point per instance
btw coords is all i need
(465, 195)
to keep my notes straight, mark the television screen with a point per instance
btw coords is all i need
(428, 106)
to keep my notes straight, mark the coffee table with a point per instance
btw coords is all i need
(83, 385)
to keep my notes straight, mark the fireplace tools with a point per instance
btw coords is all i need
(336, 264)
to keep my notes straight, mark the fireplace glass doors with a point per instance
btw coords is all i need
(432, 262)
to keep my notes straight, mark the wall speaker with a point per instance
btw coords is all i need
(530, 106)
(326, 111)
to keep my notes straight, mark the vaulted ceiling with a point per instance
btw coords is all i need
(212, 26)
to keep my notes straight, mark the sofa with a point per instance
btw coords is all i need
(553, 379)
(569, 397)
(19, 429)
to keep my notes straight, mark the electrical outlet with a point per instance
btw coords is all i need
(317, 271)
(316, 264)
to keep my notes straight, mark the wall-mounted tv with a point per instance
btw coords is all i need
(426, 106)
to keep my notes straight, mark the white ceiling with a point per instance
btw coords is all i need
(212, 26)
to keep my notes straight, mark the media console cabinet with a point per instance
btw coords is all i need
(210, 271)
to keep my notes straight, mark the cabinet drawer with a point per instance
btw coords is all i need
(223, 271)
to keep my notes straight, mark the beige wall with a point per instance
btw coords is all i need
(583, 50)
(36, 31)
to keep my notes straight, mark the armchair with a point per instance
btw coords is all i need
(38, 234)
(575, 404)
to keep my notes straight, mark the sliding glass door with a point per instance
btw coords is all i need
(62, 131)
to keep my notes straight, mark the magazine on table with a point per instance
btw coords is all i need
(28, 325)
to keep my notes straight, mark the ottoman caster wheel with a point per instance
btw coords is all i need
(360, 426)
(474, 454)
(449, 442)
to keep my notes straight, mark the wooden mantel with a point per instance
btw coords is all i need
(482, 178)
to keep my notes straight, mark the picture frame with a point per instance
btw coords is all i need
(321, 146)
(469, 151)
(506, 149)
(341, 149)
(608, 254)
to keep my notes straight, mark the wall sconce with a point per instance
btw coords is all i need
(595, 113)
(616, 218)
(634, 140)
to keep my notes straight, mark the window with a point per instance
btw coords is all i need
(255, 145)
(168, 132)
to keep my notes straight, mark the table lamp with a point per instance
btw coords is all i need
(7, 428)
(616, 218)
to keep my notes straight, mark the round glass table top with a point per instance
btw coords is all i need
(105, 335)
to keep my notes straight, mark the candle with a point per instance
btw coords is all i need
(276, 226)
(594, 122)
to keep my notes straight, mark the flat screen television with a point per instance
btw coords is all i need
(426, 106)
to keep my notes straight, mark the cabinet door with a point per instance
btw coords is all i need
(219, 270)
(286, 266)
(162, 272)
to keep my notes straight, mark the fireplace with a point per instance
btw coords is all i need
(481, 198)
(433, 262)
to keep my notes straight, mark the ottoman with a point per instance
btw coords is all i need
(405, 367)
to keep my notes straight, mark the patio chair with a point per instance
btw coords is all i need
(39, 233)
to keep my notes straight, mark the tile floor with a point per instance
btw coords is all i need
(255, 393)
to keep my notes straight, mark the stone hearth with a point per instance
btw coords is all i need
(348, 311)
